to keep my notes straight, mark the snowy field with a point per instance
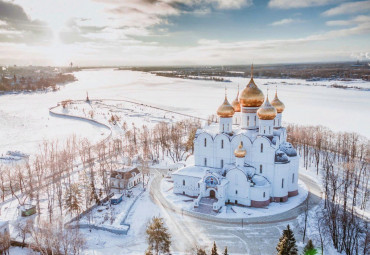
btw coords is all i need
(236, 212)
(25, 120)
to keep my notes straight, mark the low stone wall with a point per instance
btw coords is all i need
(129, 209)
(115, 230)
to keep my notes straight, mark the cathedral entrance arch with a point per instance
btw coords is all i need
(212, 193)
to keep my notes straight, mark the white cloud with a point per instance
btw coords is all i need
(357, 20)
(349, 8)
(282, 22)
(289, 4)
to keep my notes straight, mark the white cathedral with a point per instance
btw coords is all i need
(244, 159)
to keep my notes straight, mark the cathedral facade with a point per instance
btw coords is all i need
(243, 159)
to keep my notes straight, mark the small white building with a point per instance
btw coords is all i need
(125, 178)
(246, 161)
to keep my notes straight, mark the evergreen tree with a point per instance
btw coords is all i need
(201, 251)
(287, 243)
(73, 199)
(148, 252)
(225, 251)
(309, 249)
(214, 249)
(159, 239)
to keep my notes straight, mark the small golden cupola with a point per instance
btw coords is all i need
(236, 104)
(240, 152)
(279, 106)
(267, 111)
(225, 110)
(251, 95)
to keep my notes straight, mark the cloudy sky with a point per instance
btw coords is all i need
(182, 32)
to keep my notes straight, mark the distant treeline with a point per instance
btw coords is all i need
(34, 83)
(302, 71)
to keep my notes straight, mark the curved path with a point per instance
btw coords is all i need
(255, 236)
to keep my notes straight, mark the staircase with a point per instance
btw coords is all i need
(206, 206)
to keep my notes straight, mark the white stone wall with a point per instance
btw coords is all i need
(256, 193)
(191, 185)
(226, 125)
(293, 169)
(238, 187)
(249, 117)
(266, 127)
(281, 173)
(277, 120)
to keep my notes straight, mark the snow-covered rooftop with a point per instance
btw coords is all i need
(194, 171)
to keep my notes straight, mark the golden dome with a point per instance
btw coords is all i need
(225, 110)
(240, 152)
(278, 104)
(267, 111)
(251, 95)
(236, 103)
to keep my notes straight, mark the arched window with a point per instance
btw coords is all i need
(205, 161)
(255, 120)
(269, 129)
(247, 120)
(261, 147)
(236, 192)
(264, 194)
(260, 169)
(282, 183)
(241, 142)
(198, 185)
(264, 130)
(205, 142)
(223, 127)
(293, 178)
(222, 163)
(183, 182)
(222, 144)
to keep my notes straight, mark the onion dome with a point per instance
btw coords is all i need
(251, 95)
(267, 111)
(225, 110)
(236, 103)
(279, 106)
(240, 152)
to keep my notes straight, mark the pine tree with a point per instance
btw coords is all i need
(73, 199)
(309, 249)
(214, 249)
(158, 237)
(148, 252)
(225, 251)
(200, 251)
(287, 243)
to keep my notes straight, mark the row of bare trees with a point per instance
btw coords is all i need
(341, 159)
(173, 140)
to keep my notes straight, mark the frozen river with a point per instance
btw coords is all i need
(25, 121)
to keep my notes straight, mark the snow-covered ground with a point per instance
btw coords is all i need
(230, 211)
(25, 120)
(112, 214)
(102, 242)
